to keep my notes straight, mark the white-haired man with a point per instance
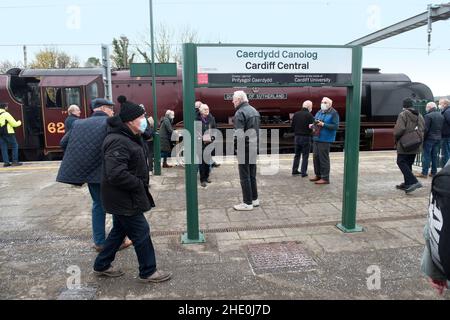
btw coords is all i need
(445, 110)
(74, 114)
(246, 125)
(301, 126)
(432, 139)
(327, 119)
(165, 134)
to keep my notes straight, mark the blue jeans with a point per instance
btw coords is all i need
(430, 153)
(10, 140)
(137, 229)
(445, 145)
(98, 215)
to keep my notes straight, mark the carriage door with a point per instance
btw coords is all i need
(56, 100)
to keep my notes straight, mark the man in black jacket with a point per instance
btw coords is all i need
(301, 126)
(125, 194)
(432, 139)
(246, 124)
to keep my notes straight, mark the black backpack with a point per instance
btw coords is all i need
(439, 220)
(4, 127)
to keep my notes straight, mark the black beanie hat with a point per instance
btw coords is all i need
(407, 103)
(130, 111)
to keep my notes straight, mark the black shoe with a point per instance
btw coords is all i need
(304, 175)
(401, 186)
(203, 184)
(208, 180)
(16, 164)
(296, 173)
(215, 165)
(413, 187)
(7, 164)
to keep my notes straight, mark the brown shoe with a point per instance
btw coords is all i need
(110, 272)
(165, 165)
(316, 178)
(157, 276)
(420, 175)
(97, 248)
(322, 181)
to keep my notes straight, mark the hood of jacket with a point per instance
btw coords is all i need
(115, 125)
(411, 114)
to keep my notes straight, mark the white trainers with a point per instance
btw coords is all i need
(243, 207)
(255, 203)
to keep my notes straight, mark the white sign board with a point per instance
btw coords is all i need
(266, 65)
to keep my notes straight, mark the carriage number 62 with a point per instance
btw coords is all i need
(55, 127)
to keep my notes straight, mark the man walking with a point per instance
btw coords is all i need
(83, 159)
(246, 125)
(407, 121)
(125, 194)
(301, 126)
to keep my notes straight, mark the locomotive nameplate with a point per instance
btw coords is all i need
(259, 96)
(272, 65)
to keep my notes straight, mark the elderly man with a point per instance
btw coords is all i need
(432, 139)
(83, 159)
(125, 194)
(327, 119)
(165, 134)
(207, 123)
(301, 126)
(246, 125)
(445, 110)
(74, 114)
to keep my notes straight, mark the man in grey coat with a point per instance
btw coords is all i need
(246, 125)
(407, 121)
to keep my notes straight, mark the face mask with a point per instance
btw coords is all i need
(324, 106)
(143, 125)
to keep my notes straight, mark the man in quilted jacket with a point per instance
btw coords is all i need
(82, 162)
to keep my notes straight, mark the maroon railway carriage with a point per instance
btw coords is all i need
(40, 99)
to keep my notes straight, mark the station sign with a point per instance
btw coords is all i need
(269, 66)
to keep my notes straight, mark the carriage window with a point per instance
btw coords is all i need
(93, 91)
(73, 96)
(53, 97)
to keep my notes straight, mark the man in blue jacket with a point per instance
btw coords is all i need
(327, 120)
(82, 161)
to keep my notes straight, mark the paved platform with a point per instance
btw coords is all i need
(288, 248)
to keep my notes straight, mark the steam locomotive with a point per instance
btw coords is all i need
(40, 98)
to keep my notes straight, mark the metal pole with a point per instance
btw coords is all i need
(193, 234)
(25, 59)
(156, 141)
(351, 157)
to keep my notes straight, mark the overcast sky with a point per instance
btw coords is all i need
(80, 26)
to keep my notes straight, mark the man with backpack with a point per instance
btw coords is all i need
(8, 137)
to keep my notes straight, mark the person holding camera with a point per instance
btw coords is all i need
(325, 127)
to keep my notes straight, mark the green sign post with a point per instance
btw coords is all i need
(237, 65)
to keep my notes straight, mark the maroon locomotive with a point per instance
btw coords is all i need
(40, 99)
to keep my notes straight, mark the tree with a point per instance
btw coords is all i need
(7, 65)
(163, 45)
(121, 57)
(52, 58)
(186, 35)
(92, 62)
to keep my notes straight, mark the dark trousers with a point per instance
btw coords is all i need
(247, 175)
(9, 140)
(204, 169)
(137, 229)
(150, 155)
(405, 162)
(321, 158)
(302, 147)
